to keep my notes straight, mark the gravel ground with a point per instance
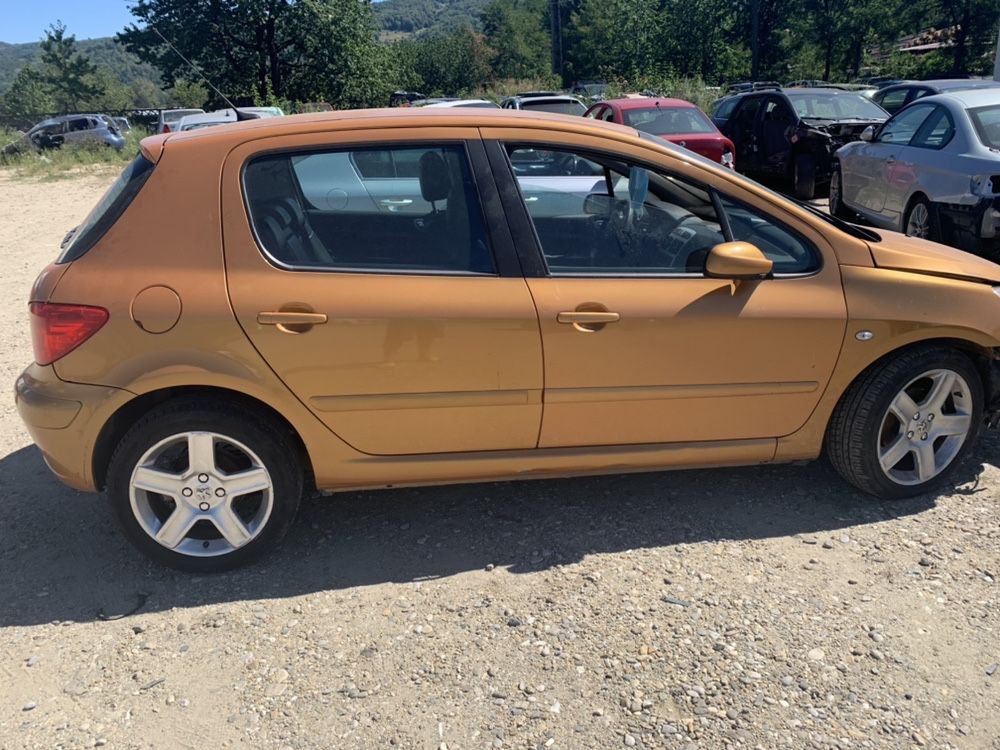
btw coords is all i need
(751, 608)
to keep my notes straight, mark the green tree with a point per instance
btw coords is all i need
(188, 94)
(110, 93)
(517, 34)
(67, 73)
(29, 94)
(263, 49)
(449, 64)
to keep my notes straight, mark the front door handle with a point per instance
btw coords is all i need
(588, 321)
(589, 316)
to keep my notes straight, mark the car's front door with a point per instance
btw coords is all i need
(871, 168)
(922, 162)
(776, 125)
(639, 345)
(740, 128)
(406, 327)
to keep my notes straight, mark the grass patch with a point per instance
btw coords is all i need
(66, 161)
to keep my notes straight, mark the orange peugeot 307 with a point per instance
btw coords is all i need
(398, 297)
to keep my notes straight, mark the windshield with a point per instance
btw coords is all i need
(479, 105)
(823, 106)
(562, 108)
(987, 123)
(107, 211)
(668, 120)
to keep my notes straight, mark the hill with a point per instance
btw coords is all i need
(126, 67)
(422, 16)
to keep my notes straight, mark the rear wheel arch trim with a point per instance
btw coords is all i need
(127, 414)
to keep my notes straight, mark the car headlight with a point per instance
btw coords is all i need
(727, 159)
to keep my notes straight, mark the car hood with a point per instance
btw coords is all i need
(902, 253)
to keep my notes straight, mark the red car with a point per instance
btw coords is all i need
(674, 120)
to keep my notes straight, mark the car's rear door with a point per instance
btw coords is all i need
(639, 345)
(405, 331)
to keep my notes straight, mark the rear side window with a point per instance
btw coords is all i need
(107, 211)
(936, 132)
(405, 209)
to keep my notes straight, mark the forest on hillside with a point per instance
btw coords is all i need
(287, 51)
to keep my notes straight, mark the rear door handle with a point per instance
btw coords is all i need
(291, 318)
(396, 201)
(588, 317)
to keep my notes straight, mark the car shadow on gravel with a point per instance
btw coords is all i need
(63, 559)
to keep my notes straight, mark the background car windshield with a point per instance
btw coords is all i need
(835, 106)
(987, 122)
(562, 108)
(668, 120)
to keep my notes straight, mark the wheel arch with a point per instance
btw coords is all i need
(915, 196)
(119, 423)
(985, 360)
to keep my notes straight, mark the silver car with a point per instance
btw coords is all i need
(79, 129)
(932, 171)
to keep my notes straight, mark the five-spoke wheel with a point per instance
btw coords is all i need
(204, 486)
(904, 425)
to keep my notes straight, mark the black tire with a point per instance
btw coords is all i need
(853, 434)
(804, 176)
(932, 228)
(274, 445)
(837, 207)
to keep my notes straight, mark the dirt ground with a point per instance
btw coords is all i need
(751, 608)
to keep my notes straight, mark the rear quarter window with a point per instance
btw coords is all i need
(107, 211)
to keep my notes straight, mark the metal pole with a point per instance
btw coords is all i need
(754, 39)
(996, 64)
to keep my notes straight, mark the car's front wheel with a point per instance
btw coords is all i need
(903, 427)
(204, 486)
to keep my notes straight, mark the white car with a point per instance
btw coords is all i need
(931, 171)
(222, 117)
(481, 103)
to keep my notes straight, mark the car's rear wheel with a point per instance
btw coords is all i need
(837, 207)
(903, 427)
(204, 487)
(804, 174)
(919, 221)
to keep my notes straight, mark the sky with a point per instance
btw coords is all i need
(26, 20)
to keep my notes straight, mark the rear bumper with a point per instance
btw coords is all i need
(64, 419)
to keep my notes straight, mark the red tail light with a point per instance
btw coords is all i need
(58, 329)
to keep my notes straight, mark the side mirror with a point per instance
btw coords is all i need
(868, 134)
(597, 204)
(737, 260)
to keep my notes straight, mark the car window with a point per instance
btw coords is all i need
(834, 105)
(668, 120)
(777, 110)
(78, 124)
(725, 108)
(936, 131)
(602, 216)
(892, 100)
(790, 252)
(608, 115)
(918, 93)
(902, 127)
(558, 107)
(987, 123)
(405, 209)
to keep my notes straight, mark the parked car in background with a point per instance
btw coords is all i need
(792, 134)
(122, 124)
(932, 171)
(475, 103)
(223, 117)
(208, 367)
(674, 120)
(593, 91)
(404, 98)
(896, 96)
(169, 118)
(80, 129)
(547, 101)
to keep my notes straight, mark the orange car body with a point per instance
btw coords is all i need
(401, 379)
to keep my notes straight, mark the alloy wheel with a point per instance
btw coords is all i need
(919, 222)
(925, 427)
(201, 494)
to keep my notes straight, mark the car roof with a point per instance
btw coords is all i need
(548, 98)
(644, 102)
(968, 98)
(389, 117)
